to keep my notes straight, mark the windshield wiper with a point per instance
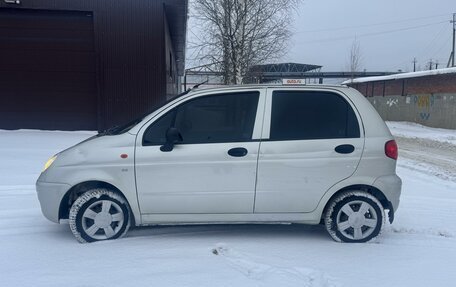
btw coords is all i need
(118, 129)
(109, 131)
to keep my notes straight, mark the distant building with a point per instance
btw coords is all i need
(276, 72)
(88, 64)
(257, 74)
(433, 81)
(426, 97)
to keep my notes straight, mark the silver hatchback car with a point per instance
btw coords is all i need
(258, 154)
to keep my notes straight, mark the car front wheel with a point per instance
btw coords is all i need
(354, 216)
(99, 214)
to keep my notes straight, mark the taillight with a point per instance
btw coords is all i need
(391, 149)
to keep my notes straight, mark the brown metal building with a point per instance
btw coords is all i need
(87, 64)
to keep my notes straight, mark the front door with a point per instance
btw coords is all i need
(213, 169)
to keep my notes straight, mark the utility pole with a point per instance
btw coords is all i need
(454, 33)
(414, 64)
(436, 64)
(430, 64)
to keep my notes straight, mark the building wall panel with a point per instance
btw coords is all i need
(127, 53)
(41, 85)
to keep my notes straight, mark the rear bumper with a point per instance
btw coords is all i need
(391, 186)
(50, 195)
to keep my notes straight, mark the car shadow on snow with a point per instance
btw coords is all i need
(248, 231)
(62, 233)
(54, 232)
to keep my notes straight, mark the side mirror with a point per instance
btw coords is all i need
(173, 136)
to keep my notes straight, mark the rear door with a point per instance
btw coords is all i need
(312, 139)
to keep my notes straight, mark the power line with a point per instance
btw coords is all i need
(441, 47)
(372, 34)
(371, 25)
(437, 37)
(430, 50)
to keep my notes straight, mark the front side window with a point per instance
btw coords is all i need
(209, 119)
(306, 115)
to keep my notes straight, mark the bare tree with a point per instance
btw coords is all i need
(237, 34)
(355, 58)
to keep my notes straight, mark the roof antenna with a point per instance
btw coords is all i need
(191, 89)
(197, 85)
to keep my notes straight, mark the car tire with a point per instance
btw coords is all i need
(354, 217)
(99, 214)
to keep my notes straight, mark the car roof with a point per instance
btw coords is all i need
(262, 86)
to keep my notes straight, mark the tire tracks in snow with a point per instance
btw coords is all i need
(425, 231)
(428, 156)
(269, 275)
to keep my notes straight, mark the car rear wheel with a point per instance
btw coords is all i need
(354, 216)
(99, 214)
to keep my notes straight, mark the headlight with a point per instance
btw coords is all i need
(49, 163)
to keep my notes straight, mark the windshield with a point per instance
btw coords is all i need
(120, 129)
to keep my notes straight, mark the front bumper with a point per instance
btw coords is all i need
(50, 195)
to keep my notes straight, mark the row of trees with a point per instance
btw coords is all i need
(234, 35)
(237, 34)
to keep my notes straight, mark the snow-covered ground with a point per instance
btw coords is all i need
(418, 249)
(417, 131)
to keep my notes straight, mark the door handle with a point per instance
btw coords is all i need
(238, 152)
(344, 149)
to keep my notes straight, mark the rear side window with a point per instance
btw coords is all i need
(306, 115)
(209, 119)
